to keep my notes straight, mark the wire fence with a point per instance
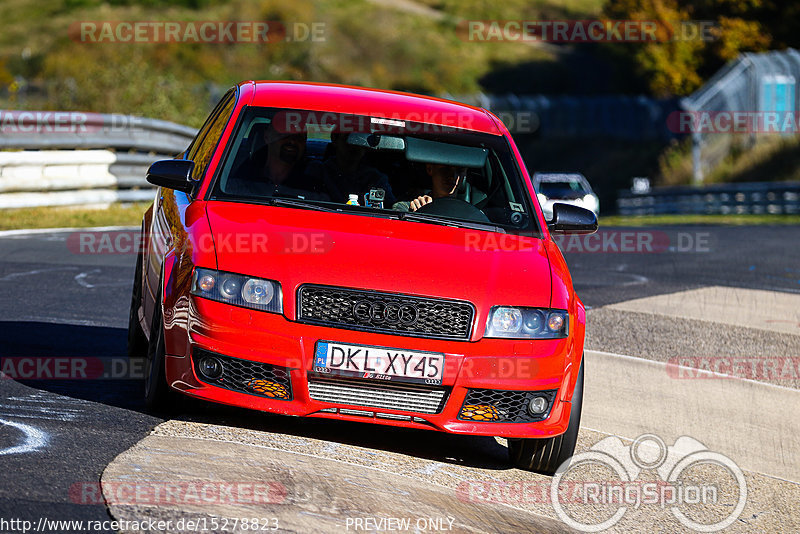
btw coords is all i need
(751, 97)
(633, 118)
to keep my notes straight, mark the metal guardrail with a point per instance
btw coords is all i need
(48, 130)
(66, 158)
(742, 198)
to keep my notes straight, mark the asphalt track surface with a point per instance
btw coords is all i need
(54, 302)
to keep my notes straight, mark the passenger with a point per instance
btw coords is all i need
(344, 172)
(445, 180)
(276, 169)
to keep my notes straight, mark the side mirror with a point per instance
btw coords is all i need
(173, 174)
(569, 219)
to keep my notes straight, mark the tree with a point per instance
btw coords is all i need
(695, 38)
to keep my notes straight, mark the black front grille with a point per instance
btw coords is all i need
(245, 376)
(389, 313)
(509, 406)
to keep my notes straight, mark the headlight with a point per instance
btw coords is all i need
(238, 290)
(521, 323)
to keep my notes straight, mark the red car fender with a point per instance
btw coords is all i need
(563, 297)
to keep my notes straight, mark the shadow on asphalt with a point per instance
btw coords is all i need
(96, 356)
(71, 360)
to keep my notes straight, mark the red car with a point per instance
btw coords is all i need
(363, 255)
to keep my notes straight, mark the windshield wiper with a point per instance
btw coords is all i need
(455, 223)
(298, 203)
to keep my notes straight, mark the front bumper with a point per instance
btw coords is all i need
(491, 364)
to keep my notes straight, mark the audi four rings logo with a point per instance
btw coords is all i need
(391, 313)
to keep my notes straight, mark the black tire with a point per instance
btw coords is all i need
(137, 341)
(158, 396)
(546, 455)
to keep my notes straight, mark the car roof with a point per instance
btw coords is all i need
(371, 102)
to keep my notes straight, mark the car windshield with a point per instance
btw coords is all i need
(375, 166)
(567, 189)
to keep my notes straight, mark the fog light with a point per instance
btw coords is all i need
(537, 405)
(210, 367)
(268, 388)
(480, 412)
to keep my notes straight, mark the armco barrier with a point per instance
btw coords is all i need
(97, 159)
(743, 198)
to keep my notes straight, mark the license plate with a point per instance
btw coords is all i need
(379, 363)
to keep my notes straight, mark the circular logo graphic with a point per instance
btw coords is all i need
(391, 313)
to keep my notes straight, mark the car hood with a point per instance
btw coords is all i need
(298, 246)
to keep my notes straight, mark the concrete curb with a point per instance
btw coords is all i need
(753, 423)
(291, 491)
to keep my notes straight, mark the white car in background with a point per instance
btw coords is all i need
(564, 188)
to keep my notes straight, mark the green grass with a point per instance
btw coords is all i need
(517, 9)
(63, 217)
(774, 158)
(723, 220)
(367, 44)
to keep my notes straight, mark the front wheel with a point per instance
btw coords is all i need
(545, 455)
(158, 397)
(137, 341)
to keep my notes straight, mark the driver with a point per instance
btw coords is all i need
(445, 180)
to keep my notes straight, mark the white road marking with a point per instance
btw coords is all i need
(46, 400)
(38, 412)
(81, 278)
(11, 276)
(31, 416)
(69, 321)
(35, 439)
(638, 279)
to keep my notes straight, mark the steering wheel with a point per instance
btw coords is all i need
(454, 207)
